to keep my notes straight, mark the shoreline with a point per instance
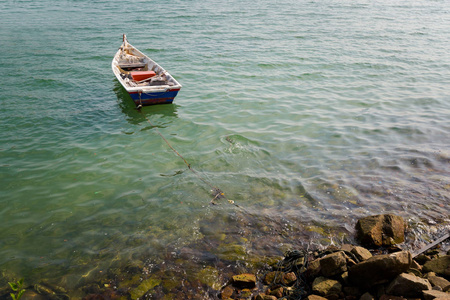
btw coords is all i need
(176, 276)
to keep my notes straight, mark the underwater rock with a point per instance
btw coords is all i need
(209, 276)
(32, 295)
(144, 287)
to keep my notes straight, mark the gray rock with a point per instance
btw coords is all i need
(333, 264)
(324, 286)
(379, 269)
(431, 295)
(408, 286)
(381, 230)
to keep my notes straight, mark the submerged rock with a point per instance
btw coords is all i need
(144, 287)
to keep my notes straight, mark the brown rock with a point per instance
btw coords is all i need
(408, 286)
(313, 268)
(242, 281)
(324, 286)
(289, 278)
(278, 292)
(439, 281)
(315, 297)
(227, 292)
(416, 265)
(347, 247)
(379, 269)
(390, 297)
(264, 297)
(431, 295)
(381, 230)
(274, 277)
(440, 266)
(361, 253)
(333, 264)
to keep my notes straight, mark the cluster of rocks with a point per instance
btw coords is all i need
(352, 272)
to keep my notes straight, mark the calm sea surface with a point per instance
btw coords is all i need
(308, 114)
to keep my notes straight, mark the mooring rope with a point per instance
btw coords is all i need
(216, 192)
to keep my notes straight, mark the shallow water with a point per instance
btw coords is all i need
(308, 114)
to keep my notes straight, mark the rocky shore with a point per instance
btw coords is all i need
(351, 271)
(374, 268)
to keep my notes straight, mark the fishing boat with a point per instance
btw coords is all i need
(145, 80)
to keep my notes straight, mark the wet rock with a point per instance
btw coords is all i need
(324, 286)
(431, 295)
(333, 264)
(408, 286)
(245, 294)
(379, 269)
(440, 266)
(244, 281)
(227, 292)
(210, 277)
(144, 287)
(381, 230)
(361, 253)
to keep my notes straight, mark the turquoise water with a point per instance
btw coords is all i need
(308, 114)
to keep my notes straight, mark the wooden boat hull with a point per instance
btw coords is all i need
(157, 86)
(145, 99)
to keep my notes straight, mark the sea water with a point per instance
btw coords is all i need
(307, 114)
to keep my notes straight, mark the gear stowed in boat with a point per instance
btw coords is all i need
(145, 80)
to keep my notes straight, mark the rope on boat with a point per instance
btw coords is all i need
(217, 193)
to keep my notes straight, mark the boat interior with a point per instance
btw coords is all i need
(138, 70)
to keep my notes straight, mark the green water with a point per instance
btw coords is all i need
(308, 114)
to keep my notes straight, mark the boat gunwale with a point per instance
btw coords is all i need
(143, 89)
